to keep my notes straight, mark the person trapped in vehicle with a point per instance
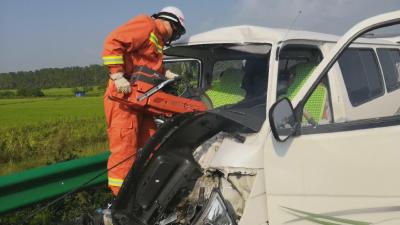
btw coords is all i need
(137, 43)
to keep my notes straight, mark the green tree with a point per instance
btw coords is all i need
(93, 75)
(7, 94)
(30, 92)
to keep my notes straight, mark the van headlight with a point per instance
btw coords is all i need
(215, 212)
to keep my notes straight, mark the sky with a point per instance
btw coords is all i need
(59, 33)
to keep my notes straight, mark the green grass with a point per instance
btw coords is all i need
(41, 131)
(63, 92)
(72, 207)
(58, 92)
(49, 142)
(67, 92)
(20, 112)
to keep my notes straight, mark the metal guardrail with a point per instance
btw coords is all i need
(31, 186)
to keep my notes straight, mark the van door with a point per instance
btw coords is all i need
(335, 171)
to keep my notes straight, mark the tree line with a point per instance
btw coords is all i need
(93, 75)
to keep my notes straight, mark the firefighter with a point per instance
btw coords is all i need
(137, 43)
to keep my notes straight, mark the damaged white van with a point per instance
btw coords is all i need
(302, 129)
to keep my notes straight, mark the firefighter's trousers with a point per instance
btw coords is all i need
(128, 130)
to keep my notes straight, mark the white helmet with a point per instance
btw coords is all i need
(176, 18)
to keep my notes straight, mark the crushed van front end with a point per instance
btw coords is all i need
(180, 177)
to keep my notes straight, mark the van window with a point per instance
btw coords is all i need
(293, 57)
(296, 63)
(390, 62)
(361, 75)
(362, 83)
(237, 80)
(189, 69)
(226, 83)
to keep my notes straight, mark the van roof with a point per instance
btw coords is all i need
(256, 34)
(393, 39)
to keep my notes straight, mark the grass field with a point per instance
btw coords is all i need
(63, 92)
(41, 131)
(67, 92)
(20, 112)
(48, 130)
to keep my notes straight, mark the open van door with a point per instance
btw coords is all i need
(344, 170)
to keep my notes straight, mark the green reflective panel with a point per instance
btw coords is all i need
(227, 90)
(226, 85)
(316, 103)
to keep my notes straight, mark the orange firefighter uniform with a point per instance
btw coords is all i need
(139, 42)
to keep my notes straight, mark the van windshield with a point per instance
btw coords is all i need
(238, 80)
(230, 73)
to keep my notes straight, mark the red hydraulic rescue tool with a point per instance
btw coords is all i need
(147, 95)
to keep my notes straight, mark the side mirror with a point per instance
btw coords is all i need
(282, 119)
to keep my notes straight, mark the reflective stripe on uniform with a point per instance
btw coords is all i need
(153, 38)
(115, 182)
(113, 60)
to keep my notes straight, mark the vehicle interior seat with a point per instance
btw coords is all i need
(227, 89)
(315, 105)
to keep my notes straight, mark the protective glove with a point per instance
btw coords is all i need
(121, 83)
(170, 75)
